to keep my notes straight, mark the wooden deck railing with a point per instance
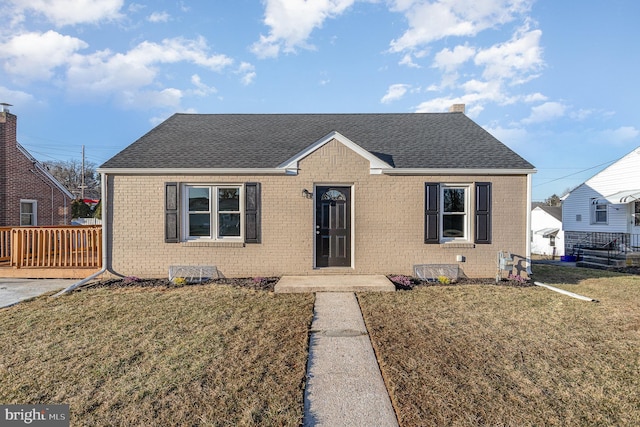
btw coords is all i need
(5, 248)
(51, 247)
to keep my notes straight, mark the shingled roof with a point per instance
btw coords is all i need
(412, 140)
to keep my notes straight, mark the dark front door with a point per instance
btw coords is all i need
(333, 226)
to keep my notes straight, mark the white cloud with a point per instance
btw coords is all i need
(141, 99)
(545, 112)
(448, 60)
(105, 72)
(535, 97)
(619, 136)
(16, 97)
(582, 114)
(72, 12)
(33, 56)
(433, 20)
(248, 73)
(514, 60)
(395, 92)
(512, 137)
(291, 23)
(201, 88)
(157, 17)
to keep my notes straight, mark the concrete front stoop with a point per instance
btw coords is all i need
(334, 283)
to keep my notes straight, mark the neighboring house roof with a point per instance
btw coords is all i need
(554, 211)
(617, 183)
(43, 170)
(407, 141)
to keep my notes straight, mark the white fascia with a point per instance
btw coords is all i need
(377, 166)
(457, 171)
(193, 171)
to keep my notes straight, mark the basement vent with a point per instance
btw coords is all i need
(194, 273)
(431, 272)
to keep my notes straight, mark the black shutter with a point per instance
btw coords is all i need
(252, 229)
(171, 213)
(483, 213)
(431, 212)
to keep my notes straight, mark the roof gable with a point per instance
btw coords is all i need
(376, 164)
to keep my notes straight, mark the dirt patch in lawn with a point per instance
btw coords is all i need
(255, 283)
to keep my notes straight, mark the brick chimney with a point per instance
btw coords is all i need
(457, 108)
(7, 141)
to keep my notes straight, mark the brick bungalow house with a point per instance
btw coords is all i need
(29, 194)
(304, 194)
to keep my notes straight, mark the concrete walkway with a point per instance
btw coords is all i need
(344, 383)
(12, 291)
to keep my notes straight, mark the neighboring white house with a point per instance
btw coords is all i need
(547, 237)
(607, 205)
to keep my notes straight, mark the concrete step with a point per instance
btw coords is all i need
(612, 262)
(334, 283)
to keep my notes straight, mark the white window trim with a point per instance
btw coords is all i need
(467, 220)
(594, 210)
(213, 188)
(34, 204)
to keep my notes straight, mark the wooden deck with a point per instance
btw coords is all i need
(73, 252)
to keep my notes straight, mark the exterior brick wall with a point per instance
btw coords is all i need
(387, 223)
(20, 180)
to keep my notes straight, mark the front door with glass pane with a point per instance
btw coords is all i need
(333, 226)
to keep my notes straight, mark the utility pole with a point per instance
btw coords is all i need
(82, 177)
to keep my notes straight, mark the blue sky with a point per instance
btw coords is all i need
(554, 80)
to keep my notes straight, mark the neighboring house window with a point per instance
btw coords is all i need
(449, 216)
(454, 224)
(636, 214)
(552, 241)
(598, 212)
(213, 212)
(28, 213)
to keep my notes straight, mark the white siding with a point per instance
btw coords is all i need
(620, 176)
(539, 244)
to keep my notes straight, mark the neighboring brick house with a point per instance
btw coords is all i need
(29, 194)
(274, 194)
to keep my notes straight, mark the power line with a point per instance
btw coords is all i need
(576, 173)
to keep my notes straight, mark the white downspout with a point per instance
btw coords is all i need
(105, 238)
(528, 221)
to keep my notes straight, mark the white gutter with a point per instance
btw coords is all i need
(456, 171)
(105, 238)
(562, 291)
(194, 171)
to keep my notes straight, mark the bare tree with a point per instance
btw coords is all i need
(69, 174)
(553, 200)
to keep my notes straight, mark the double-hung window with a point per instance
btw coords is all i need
(28, 213)
(598, 211)
(457, 213)
(455, 208)
(214, 212)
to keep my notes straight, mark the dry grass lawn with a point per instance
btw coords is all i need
(502, 356)
(201, 355)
